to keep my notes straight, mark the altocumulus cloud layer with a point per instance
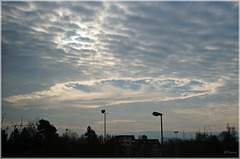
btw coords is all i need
(128, 55)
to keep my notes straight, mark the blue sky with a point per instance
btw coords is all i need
(66, 61)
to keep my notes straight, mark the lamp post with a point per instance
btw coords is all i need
(103, 112)
(160, 114)
(176, 134)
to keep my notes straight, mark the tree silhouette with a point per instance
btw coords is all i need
(90, 135)
(46, 130)
(4, 142)
(229, 139)
(14, 135)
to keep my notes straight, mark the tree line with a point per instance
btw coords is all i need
(40, 139)
(226, 144)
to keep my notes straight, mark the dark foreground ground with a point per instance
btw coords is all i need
(41, 140)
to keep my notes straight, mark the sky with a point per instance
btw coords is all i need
(67, 61)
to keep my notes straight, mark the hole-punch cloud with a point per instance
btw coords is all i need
(116, 91)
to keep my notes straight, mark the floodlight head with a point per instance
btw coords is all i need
(156, 114)
(175, 131)
(103, 111)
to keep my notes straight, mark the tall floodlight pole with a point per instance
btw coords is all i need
(160, 114)
(104, 127)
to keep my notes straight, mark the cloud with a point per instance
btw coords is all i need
(70, 127)
(211, 48)
(115, 121)
(211, 114)
(137, 42)
(90, 94)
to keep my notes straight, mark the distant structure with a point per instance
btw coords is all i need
(140, 147)
(128, 141)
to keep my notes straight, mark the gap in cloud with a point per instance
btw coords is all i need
(82, 87)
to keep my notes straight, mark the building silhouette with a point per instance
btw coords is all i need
(140, 147)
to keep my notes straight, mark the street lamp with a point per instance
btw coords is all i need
(103, 112)
(176, 134)
(160, 114)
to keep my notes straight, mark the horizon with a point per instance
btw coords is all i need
(182, 135)
(167, 134)
(67, 61)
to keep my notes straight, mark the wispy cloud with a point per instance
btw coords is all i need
(115, 121)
